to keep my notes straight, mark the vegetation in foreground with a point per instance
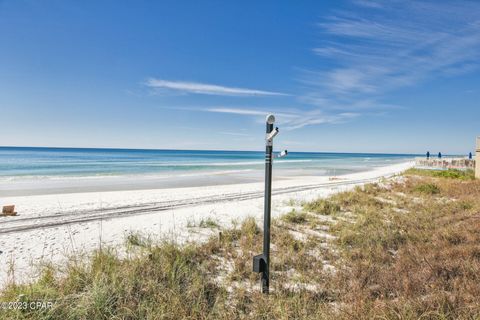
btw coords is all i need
(450, 173)
(407, 248)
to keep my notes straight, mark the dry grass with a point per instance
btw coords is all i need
(405, 249)
(418, 257)
(323, 206)
(295, 216)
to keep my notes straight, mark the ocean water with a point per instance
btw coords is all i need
(17, 163)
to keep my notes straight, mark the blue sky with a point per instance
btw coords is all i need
(346, 76)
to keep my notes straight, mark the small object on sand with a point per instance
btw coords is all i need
(9, 211)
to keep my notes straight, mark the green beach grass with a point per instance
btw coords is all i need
(406, 248)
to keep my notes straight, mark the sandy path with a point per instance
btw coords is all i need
(19, 224)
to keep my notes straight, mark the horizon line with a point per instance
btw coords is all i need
(221, 150)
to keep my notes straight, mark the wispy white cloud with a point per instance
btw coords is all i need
(239, 134)
(205, 88)
(317, 117)
(367, 53)
(292, 120)
(346, 102)
(368, 3)
(248, 112)
(396, 44)
(382, 47)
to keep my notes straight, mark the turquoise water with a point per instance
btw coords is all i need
(19, 162)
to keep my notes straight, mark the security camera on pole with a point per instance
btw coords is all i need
(261, 262)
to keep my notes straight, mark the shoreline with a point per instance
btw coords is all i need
(16, 186)
(81, 222)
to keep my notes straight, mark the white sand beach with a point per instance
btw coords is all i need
(50, 227)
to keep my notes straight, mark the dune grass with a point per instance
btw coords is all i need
(323, 206)
(393, 251)
(206, 223)
(295, 216)
(449, 173)
(427, 188)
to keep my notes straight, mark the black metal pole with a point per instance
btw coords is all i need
(267, 210)
(261, 262)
